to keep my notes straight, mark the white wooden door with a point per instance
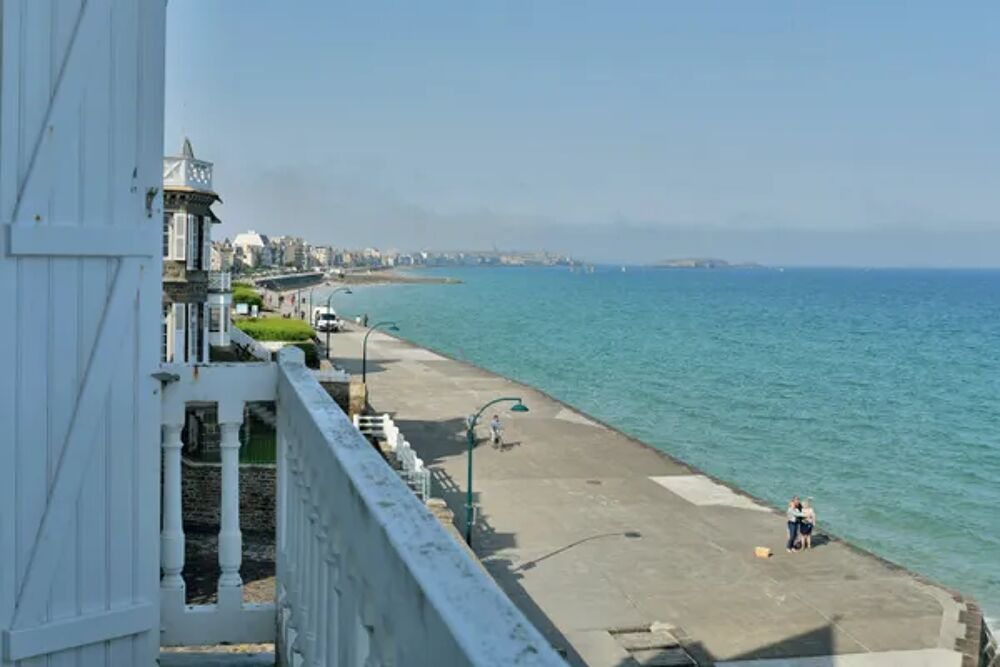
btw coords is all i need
(81, 133)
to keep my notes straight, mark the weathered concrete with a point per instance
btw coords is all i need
(257, 655)
(560, 508)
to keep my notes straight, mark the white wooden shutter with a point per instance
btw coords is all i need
(192, 333)
(180, 236)
(191, 227)
(206, 251)
(180, 332)
(81, 134)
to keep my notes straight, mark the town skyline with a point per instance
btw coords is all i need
(251, 250)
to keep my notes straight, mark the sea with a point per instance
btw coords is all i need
(874, 392)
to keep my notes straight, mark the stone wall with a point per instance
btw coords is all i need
(201, 488)
(352, 396)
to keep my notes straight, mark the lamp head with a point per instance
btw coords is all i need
(519, 407)
(393, 328)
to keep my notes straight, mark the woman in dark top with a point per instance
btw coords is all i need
(807, 524)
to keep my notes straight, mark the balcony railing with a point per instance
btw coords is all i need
(248, 343)
(187, 172)
(220, 281)
(366, 575)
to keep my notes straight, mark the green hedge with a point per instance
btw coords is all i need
(248, 295)
(276, 328)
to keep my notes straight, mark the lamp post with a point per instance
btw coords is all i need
(364, 347)
(345, 290)
(470, 437)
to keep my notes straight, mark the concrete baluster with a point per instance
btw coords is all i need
(230, 536)
(373, 630)
(281, 512)
(172, 535)
(301, 613)
(367, 653)
(312, 594)
(383, 644)
(321, 606)
(332, 624)
(295, 541)
(289, 507)
(347, 620)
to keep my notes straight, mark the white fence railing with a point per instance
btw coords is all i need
(220, 281)
(411, 467)
(248, 343)
(366, 575)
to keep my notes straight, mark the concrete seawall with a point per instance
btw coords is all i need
(592, 532)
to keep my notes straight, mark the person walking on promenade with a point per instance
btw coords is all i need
(793, 517)
(807, 524)
(496, 431)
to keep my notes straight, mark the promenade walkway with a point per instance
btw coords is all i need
(590, 532)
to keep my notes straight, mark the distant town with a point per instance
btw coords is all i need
(252, 252)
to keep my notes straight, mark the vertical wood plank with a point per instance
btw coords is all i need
(149, 84)
(10, 31)
(92, 508)
(32, 429)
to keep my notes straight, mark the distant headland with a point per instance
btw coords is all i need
(703, 263)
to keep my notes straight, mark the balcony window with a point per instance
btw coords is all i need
(215, 319)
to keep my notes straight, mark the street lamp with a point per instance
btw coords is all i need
(345, 290)
(470, 437)
(364, 347)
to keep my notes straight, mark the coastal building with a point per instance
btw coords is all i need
(196, 299)
(252, 250)
(222, 255)
(322, 257)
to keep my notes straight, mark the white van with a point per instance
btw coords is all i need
(325, 319)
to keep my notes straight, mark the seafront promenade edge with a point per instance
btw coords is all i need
(559, 495)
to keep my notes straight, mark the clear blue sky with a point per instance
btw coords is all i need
(848, 133)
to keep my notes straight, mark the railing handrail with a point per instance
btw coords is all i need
(240, 337)
(439, 586)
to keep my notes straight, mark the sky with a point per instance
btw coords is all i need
(788, 133)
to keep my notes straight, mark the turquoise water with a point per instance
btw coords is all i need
(875, 392)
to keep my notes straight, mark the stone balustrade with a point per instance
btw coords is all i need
(366, 574)
(187, 172)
